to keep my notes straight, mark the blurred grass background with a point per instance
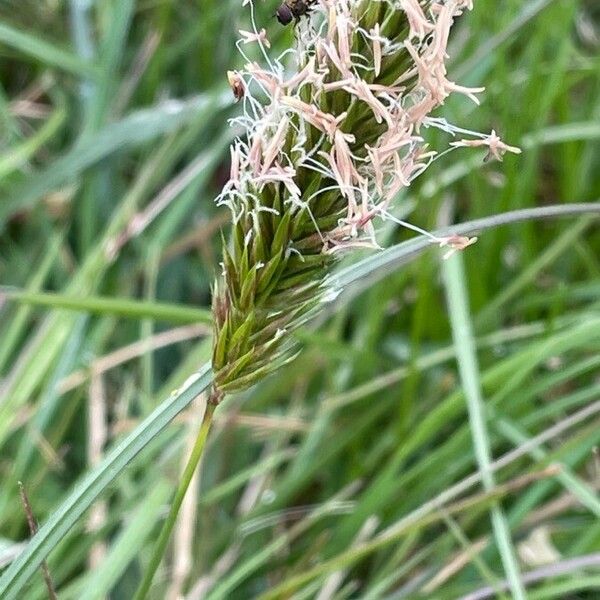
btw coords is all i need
(113, 144)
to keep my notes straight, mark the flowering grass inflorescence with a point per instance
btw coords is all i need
(326, 150)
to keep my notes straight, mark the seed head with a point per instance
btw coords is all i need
(326, 150)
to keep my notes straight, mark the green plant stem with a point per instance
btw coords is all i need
(184, 483)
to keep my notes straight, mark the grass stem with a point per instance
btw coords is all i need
(186, 478)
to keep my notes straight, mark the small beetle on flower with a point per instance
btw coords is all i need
(291, 10)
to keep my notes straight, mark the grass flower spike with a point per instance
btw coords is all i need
(326, 150)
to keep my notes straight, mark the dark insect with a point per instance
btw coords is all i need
(291, 10)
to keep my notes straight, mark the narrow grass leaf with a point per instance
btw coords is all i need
(139, 127)
(464, 342)
(45, 52)
(121, 307)
(86, 491)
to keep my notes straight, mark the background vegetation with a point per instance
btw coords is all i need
(337, 477)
